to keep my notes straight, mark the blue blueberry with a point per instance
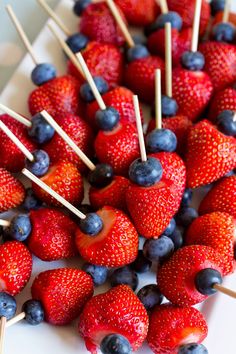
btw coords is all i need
(141, 263)
(20, 227)
(40, 131)
(34, 312)
(80, 6)
(158, 249)
(150, 296)
(170, 228)
(193, 348)
(193, 61)
(86, 92)
(169, 106)
(7, 306)
(40, 165)
(229, 174)
(91, 225)
(217, 6)
(124, 275)
(223, 32)
(177, 238)
(31, 202)
(77, 42)
(161, 140)
(206, 279)
(225, 123)
(187, 197)
(145, 173)
(115, 344)
(185, 216)
(98, 273)
(43, 73)
(137, 52)
(107, 119)
(101, 176)
(173, 17)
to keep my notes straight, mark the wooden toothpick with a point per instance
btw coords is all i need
(2, 333)
(163, 5)
(140, 129)
(234, 117)
(4, 223)
(168, 59)
(225, 291)
(196, 25)
(15, 115)
(15, 319)
(158, 110)
(226, 11)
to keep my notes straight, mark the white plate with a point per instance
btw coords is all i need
(25, 339)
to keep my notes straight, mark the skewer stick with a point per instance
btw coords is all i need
(15, 319)
(68, 140)
(158, 112)
(21, 33)
(15, 115)
(226, 11)
(16, 141)
(163, 5)
(91, 82)
(54, 16)
(4, 222)
(2, 333)
(120, 22)
(225, 291)
(168, 59)
(234, 117)
(140, 129)
(54, 194)
(196, 24)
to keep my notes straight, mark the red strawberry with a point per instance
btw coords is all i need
(139, 12)
(210, 154)
(181, 42)
(79, 131)
(222, 197)
(220, 63)
(192, 91)
(112, 195)
(117, 243)
(15, 267)
(98, 24)
(171, 327)
(117, 311)
(53, 235)
(104, 60)
(219, 17)
(65, 179)
(217, 231)
(12, 192)
(11, 157)
(176, 277)
(58, 96)
(63, 293)
(223, 100)
(140, 76)
(118, 148)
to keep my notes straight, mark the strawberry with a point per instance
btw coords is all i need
(63, 293)
(65, 179)
(176, 277)
(119, 311)
(217, 231)
(102, 59)
(172, 326)
(222, 197)
(220, 63)
(140, 76)
(11, 157)
(181, 42)
(210, 154)
(53, 235)
(112, 195)
(117, 243)
(98, 24)
(139, 12)
(58, 96)
(12, 192)
(79, 131)
(192, 91)
(118, 148)
(223, 100)
(15, 267)
(219, 17)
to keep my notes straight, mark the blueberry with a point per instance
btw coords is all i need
(115, 344)
(193, 61)
(225, 123)
(91, 225)
(187, 197)
(40, 165)
(150, 296)
(139, 39)
(223, 32)
(141, 263)
(137, 52)
(101, 176)
(158, 249)
(145, 173)
(40, 131)
(34, 312)
(86, 92)
(43, 73)
(177, 238)
(206, 279)
(124, 275)
(185, 216)
(170, 228)
(107, 119)
(173, 17)
(193, 348)
(77, 42)
(217, 6)
(161, 140)
(98, 273)
(20, 227)
(169, 106)
(80, 6)
(31, 202)
(7, 306)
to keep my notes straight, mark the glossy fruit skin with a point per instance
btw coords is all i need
(150, 296)
(76, 42)
(225, 123)
(223, 32)
(125, 276)
(40, 164)
(86, 92)
(34, 312)
(141, 263)
(31, 201)
(99, 274)
(157, 250)
(91, 225)
(193, 61)
(43, 73)
(206, 279)
(193, 348)
(177, 238)
(80, 6)
(185, 216)
(161, 140)
(7, 305)
(107, 119)
(20, 227)
(172, 17)
(222, 100)
(115, 344)
(101, 176)
(12, 192)
(40, 131)
(145, 173)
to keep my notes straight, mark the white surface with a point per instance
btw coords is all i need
(25, 339)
